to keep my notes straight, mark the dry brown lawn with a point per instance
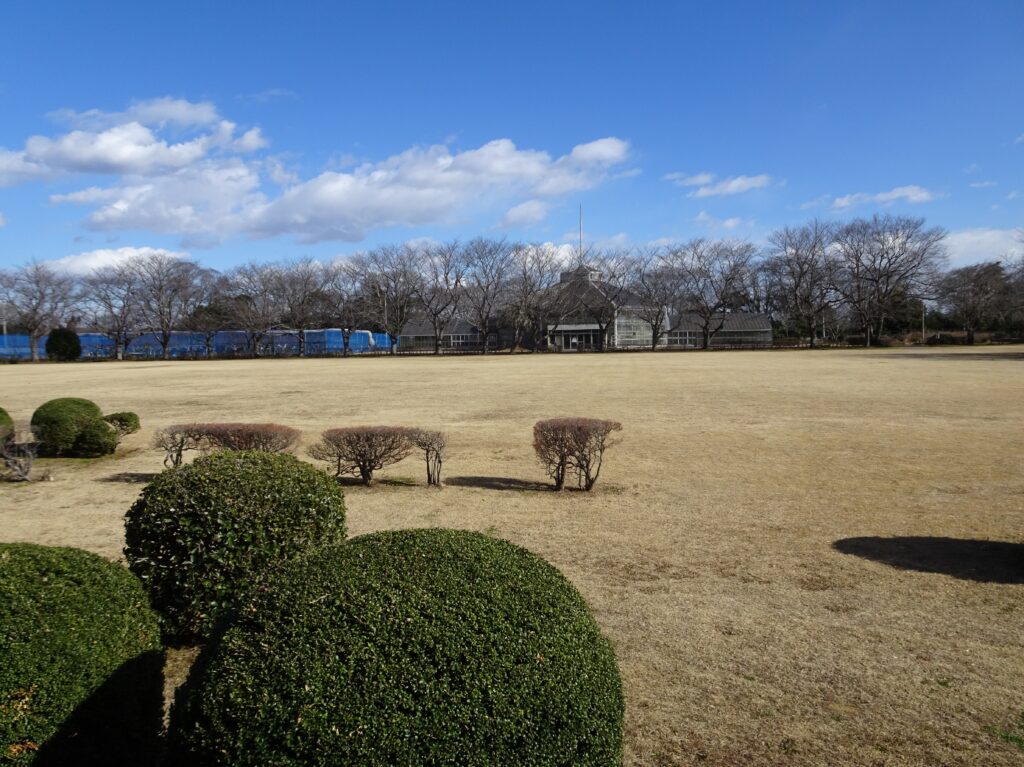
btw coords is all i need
(744, 636)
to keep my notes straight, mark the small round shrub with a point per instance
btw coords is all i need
(96, 437)
(125, 422)
(6, 425)
(80, 658)
(201, 534)
(63, 345)
(425, 647)
(59, 421)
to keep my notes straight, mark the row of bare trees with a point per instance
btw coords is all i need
(817, 280)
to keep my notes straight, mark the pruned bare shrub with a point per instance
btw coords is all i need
(432, 443)
(179, 439)
(18, 451)
(361, 450)
(576, 445)
(264, 437)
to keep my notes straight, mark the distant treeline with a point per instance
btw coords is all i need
(859, 280)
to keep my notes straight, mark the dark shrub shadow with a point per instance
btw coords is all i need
(976, 357)
(971, 560)
(496, 483)
(131, 477)
(119, 725)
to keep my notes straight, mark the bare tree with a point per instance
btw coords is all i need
(170, 289)
(532, 301)
(302, 287)
(803, 263)
(657, 287)
(362, 450)
(433, 444)
(390, 278)
(440, 285)
(976, 295)
(112, 297)
(18, 452)
(212, 313)
(255, 307)
(488, 268)
(347, 299)
(596, 291)
(712, 274)
(41, 298)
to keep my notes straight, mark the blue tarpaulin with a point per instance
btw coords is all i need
(226, 343)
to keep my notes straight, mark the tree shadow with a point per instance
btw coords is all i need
(131, 477)
(975, 357)
(967, 559)
(119, 725)
(496, 483)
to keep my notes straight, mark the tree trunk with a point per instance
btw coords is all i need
(970, 336)
(34, 344)
(302, 342)
(394, 344)
(705, 338)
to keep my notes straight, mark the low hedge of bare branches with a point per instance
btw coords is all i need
(573, 445)
(362, 450)
(181, 438)
(264, 437)
(18, 451)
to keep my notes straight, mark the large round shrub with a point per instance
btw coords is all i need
(201, 534)
(417, 647)
(59, 421)
(63, 345)
(80, 664)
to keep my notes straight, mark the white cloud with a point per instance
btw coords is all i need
(3, 221)
(421, 186)
(734, 185)
(683, 179)
(969, 246)
(153, 112)
(204, 203)
(912, 194)
(972, 168)
(1019, 139)
(1013, 195)
(984, 184)
(201, 185)
(733, 222)
(525, 214)
(84, 263)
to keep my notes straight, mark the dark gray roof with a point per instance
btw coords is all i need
(734, 321)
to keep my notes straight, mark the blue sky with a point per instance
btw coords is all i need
(267, 130)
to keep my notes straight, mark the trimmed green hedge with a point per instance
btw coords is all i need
(80, 659)
(417, 647)
(201, 534)
(96, 437)
(63, 345)
(125, 422)
(59, 421)
(6, 424)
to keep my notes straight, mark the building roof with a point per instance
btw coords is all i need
(734, 321)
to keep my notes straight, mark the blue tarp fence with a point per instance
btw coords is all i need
(226, 343)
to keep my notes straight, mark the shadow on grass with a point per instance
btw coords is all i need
(131, 477)
(496, 483)
(967, 559)
(377, 482)
(975, 357)
(118, 725)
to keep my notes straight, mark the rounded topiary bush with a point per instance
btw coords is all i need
(6, 425)
(59, 421)
(63, 345)
(80, 660)
(125, 422)
(425, 647)
(95, 437)
(201, 534)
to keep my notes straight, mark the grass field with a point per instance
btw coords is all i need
(716, 548)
